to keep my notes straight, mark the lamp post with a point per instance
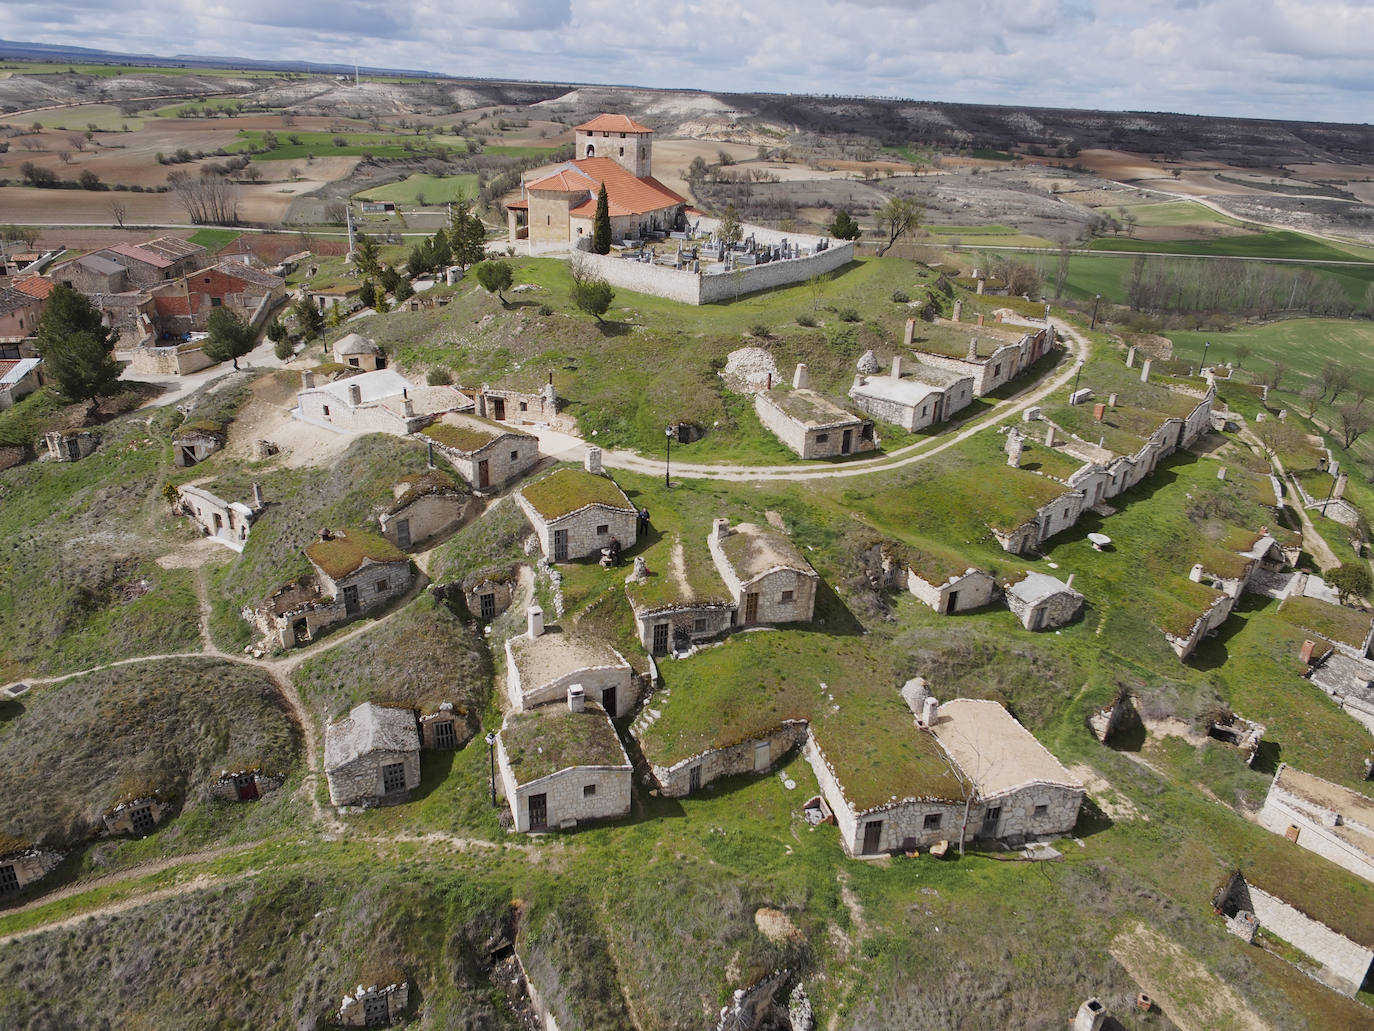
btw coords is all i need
(1205, 344)
(668, 457)
(1096, 301)
(491, 752)
(1075, 377)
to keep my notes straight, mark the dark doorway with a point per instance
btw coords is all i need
(444, 735)
(402, 533)
(539, 812)
(484, 473)
(350, 596)
(560, 545)
(9, 880)
(694, 780)
(608, 701)
(873, 836)
(393, 778)
(953, 602)
(660, 638)
(847, 442)
(188, 456)
(246, 784)
(498, 408)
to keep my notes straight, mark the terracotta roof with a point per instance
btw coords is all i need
(612, 123)
(625, 194)
(249, 274)
(35, 286)
(175, 304)
(568, 179)
(140, 254)
(522, 204)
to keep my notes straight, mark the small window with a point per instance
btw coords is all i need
(821, 438)
(393, 777)
(1042, 810)
(622, 151)
(699, 625)
(603, 529)
(1066, 513)
(933, 820)
(216, 302)
(524, 406)
(997, 370)
(325, 409)
(548, 220)
(382, 586)
(787, 597)
(588, 790)
(515, 456)
(353, 362)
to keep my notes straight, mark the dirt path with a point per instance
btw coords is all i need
(1312, 541)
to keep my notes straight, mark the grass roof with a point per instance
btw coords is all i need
(551, 738)
(345, 552)
(1048, 461)
(567, 490)
(681, 572)
(952, 339)
(809, 407)
(1178, 610)
(467, 433)
(934, 564)
(753, 550)
(1334, 622)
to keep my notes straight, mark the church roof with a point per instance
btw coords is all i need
(612, 123)
(625, 194)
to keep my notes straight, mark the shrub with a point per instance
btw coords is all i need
(807, 319)
(544, 309)
(900, 296)
(760, 330)
(848, 315)
(439, 377)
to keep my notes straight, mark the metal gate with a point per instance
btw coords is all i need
(539, 812)
(560, 545)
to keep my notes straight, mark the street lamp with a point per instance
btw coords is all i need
(1096, 301)
(1076, 375)
(1205, 344)
(668, 457)
(491, 752)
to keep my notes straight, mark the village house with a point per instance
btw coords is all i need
(544, 662)
(947, 584)
(755, 755)
(520, 407)
(1322, 817)
(676, 607)
(193, 444)
(358, 352)
(359, 569)
(1042, 602)
(19, 314)
(372, 756)
(427, 505)
(562, 765)
(246, 785)
(447, 727)
(138, 816)
(383, 401)
(486, 454)
(489, 592)
(94, 273)
(810, 424)
(19, 377)
(923, 398)
(1060, 512)
(555, 212)
(184, 305)
(226, 522)
(767, 578)
(125, 265)
(575, 514)
(344, 297)
(21, 864)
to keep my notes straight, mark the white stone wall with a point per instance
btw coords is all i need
(806, 441)
(1316, 831)
(507, 459)
(363, 418)
(1058, 609)
(360, 781)
(583, 539)
(1059, 515)
(566, 797)
(428, 515)
(31, 865)
(1018, 817)
(770, 587)
(974, 590)
(675, 781)
(594, 680)
(1211, 619)
(1344, 963)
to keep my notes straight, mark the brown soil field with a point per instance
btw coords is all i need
(896, 167)
(266, 202)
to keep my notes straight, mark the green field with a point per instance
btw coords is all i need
(435, 189)
(548, 153)
(105, 118)
(214, 239)
(1176, 213)
(987, 230)
(322, 144)
(1273, 243)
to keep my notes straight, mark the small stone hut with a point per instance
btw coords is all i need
(765, 575)
(561, 765)
(21, 864)
(358, 352)
(543, 662)
(226, 522)
(488, 455)
(426, 506)
(361, 570)
(946, 587)
(576, 513)
(811, 424)
(372, 756)
(1042, 602)
(375, 1005)
(138, 816)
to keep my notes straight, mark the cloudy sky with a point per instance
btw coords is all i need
(1277, 58)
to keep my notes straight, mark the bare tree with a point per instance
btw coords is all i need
(118, 210)
(253, 173)
(208, 199)
(1061, 270)
(1335, 378)
(1311, 397)
(66, 156)
(1354, 423)
(898, 217)
(76, 141)
(1276, 373)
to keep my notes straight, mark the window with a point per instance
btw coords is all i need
(932, 821)
(821, 438)
(1042, 810)
(515, 456)
(588, 790)
(1066, 513)
(393, 777)
(991, 817)
(603, 529)
(381, 586)
(216, 302)
(353, 362)
(524, 406)
(325, 409)
(622, 151)
(787, 597)
(699, 625)
(997, 370)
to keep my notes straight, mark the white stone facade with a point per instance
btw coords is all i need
(756, 755)
(227, 522)
(1345, 964)
(678, 626)
(526, 689)
(816, 439)
(1328, 819)
(971, 590)
(25, 867)
(913, 404)
(1041, 602)
(767, 591)
(506, 457)
(428, 516)
(588, 530)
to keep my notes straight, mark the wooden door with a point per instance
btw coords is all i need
(762, 756)
(483, 475)
(694, 779)
(498, 408)
(847, 442)
(608, 700)
(560, 545)
(873, 836)
(751, 608)
(402, 533)
(539, 812)
(350, 597)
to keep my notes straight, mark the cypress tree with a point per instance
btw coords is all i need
(601, 224)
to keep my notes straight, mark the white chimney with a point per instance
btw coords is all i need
(1068, 584)
(722, 529)
(1145, 371)
(1195, 574)
(355, 394)
(592, 461)
(896, 366)
(801, 379)
(534, 619)
(577, 698)
(930, 711)
(307, 380)
(909, 333)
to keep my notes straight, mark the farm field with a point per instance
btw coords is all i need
(422, 190)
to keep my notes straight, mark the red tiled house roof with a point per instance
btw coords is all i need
(35, 286)
(625, 194)
(612, 123)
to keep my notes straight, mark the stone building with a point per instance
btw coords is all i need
(194, 445)
(427, 506)
(486, 454)
(94, 273)
(516, 407)
(137, 817)
(675, 608)
(1322, 817)
(923, 398)
(489, 592)
(246, 785)
(372, 756)
(1042, 602)
(766, 577)
(1057, 514)
(19, 313)
(185, 304)
(226, 522)
(941, 585)
(575, 514)
(811, 424)
(359, 569)
(543, 662)
(374, 402)
(561, 765)
(358, 352)
(555, 212)
(755, 755)
(448, 727)
(991, 355)
(1023, 791)
(375, 1005)
(71, 446)
(22, 864)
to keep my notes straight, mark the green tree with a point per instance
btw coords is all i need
(440, 253)
(365, 255)
(403, 290)
(601, 223)
(495, 276)
(229, 336)
(467, 236)
(730, 230)
(368, 294)
(308, 317)
(1351, 582)
(68, 313)
(898, 217)
(81, 366)
(845, 228)
(421, 258)
(390, 279)
(276, 330)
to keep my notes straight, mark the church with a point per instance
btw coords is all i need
(555, 212)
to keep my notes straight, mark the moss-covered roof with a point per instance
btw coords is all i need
(418, 485)
(681, 573)
(1334, 622)
(542, 741)
(934, 564)
(1014, 497)
(1187, 602)
(952, 339)
(809, 407)
(567, 490)
(346, 552)
(468, 433)
(753, 550)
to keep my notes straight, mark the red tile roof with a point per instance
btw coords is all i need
(139, 254)
(612, 123)
(625, 194)
(35, 286)
(176, 304)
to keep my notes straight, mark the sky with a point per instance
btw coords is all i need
(1302, 59)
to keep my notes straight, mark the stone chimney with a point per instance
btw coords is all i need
(1145, 371)
(1014, 445)
(1090, 1016)
(307, 379)
(801, 379)
(980, 317)
(408, 408)
(1049, 435)
(577, 698)
(722, 529)
(958, 310)
(973, 349)
(858, 381)
(1195, 574)
(909, 333)
(930, 712)
(592, 461)
(982, 285)
(258, 501)
(1130, 357)
(1305, 656)
(355, 394)
(896, 366)
(1099, 410)
(534, 620)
